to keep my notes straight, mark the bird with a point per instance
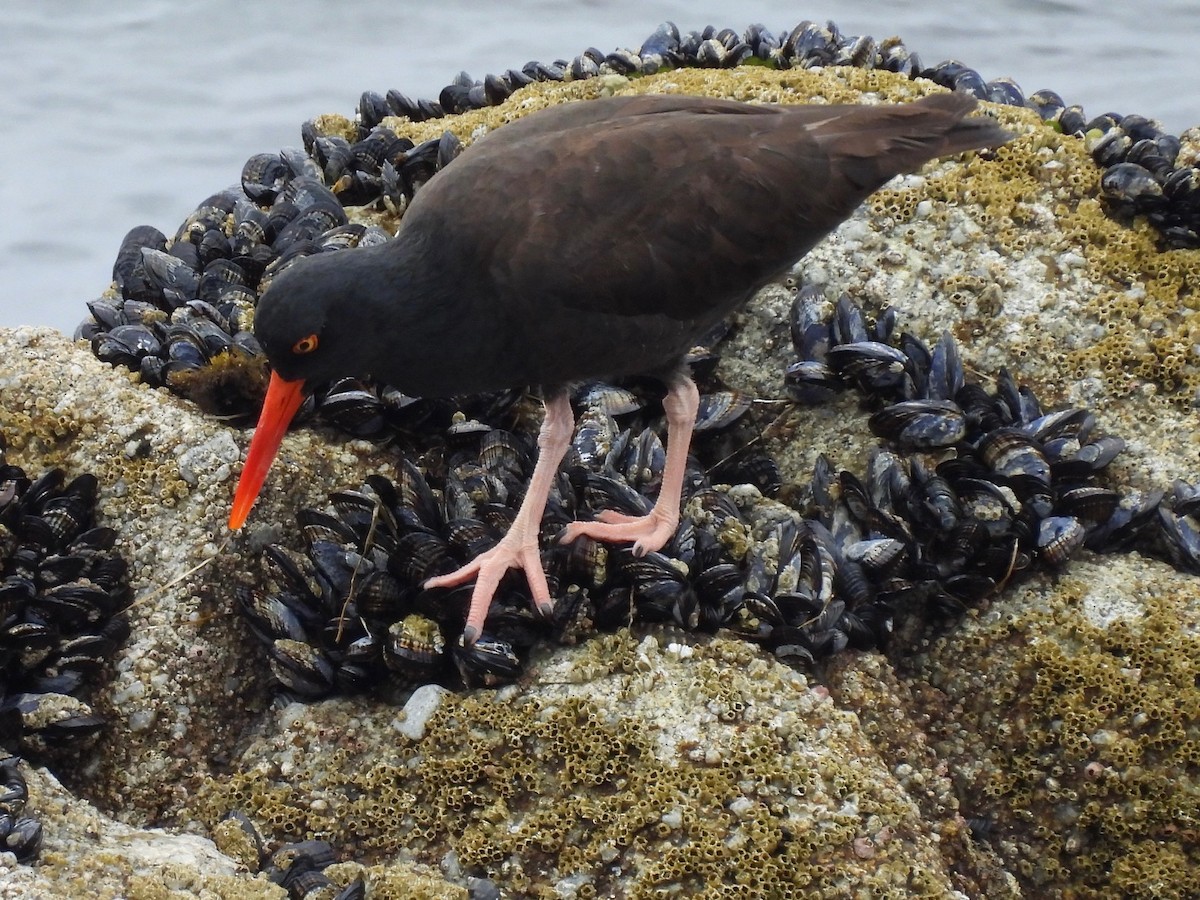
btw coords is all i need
(590, 240)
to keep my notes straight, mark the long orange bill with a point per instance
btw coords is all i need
(283, 399)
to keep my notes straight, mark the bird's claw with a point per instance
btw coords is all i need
(487, 569)
(648, 533)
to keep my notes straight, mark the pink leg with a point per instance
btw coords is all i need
(651, 531)
(519, 548)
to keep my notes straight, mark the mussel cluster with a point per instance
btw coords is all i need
(298, 867)
(62, 590)
(1141, 171)
(972, 487)
(350, 614)
(20, 835)
(183, 312)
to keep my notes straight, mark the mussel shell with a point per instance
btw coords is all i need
(1058, 538)
(1180, 538)
(1131, 188)
(497, 89)
(366, 513)
(639, 459)
(380, 595)
(176, 279)
(623, 62)
(472, 536)
(129, 255)
(849, 324)
(300, 856)
(1089, 503)
(867, 626)
(715, 584)
(415, 506)
(757, 469)
(946, 376)
(506, 454)
(878, 555)
(20, 836)
(307, 883)
(1184, 499)
(270, 616)
(264, 176)
(317, 525)
(1157, 156)
(594, 434)
(812, 382)
(1013, 453)
(372, 109)
(720, 409)
(486, 663)
(421, 555)
(663, 43)
(71, 720)
(1087, 459)
(1071, 120)
(238, 822)
(416, 648)
(1112, 147)
(877, 367)
(293, 573)
(131, 342)
(1046, 103)
(608, 492)
(1006, 91)
(14, 792)
(920, 424)
(301, 668)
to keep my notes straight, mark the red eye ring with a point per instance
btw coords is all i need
(305, 345)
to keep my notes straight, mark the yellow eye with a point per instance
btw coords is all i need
(305, 344)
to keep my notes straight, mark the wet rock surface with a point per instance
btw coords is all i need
(1023, 750)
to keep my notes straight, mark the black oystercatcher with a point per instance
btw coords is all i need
(593, 239)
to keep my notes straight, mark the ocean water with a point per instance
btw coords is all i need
(118, 115)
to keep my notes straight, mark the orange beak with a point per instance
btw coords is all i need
(283, 399)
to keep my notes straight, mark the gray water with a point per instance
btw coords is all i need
(117, 115)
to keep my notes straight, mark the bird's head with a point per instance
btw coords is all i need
(297, 322)
(306, 343)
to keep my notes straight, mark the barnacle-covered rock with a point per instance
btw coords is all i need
(1088, 718)
(547, 766)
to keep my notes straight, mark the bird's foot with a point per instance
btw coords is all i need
(487, 569)
(648, 533)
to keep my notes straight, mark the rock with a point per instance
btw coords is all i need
(1027, 750)
(417, 711)
(113, 858)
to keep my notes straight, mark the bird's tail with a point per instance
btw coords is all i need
(873, 149)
